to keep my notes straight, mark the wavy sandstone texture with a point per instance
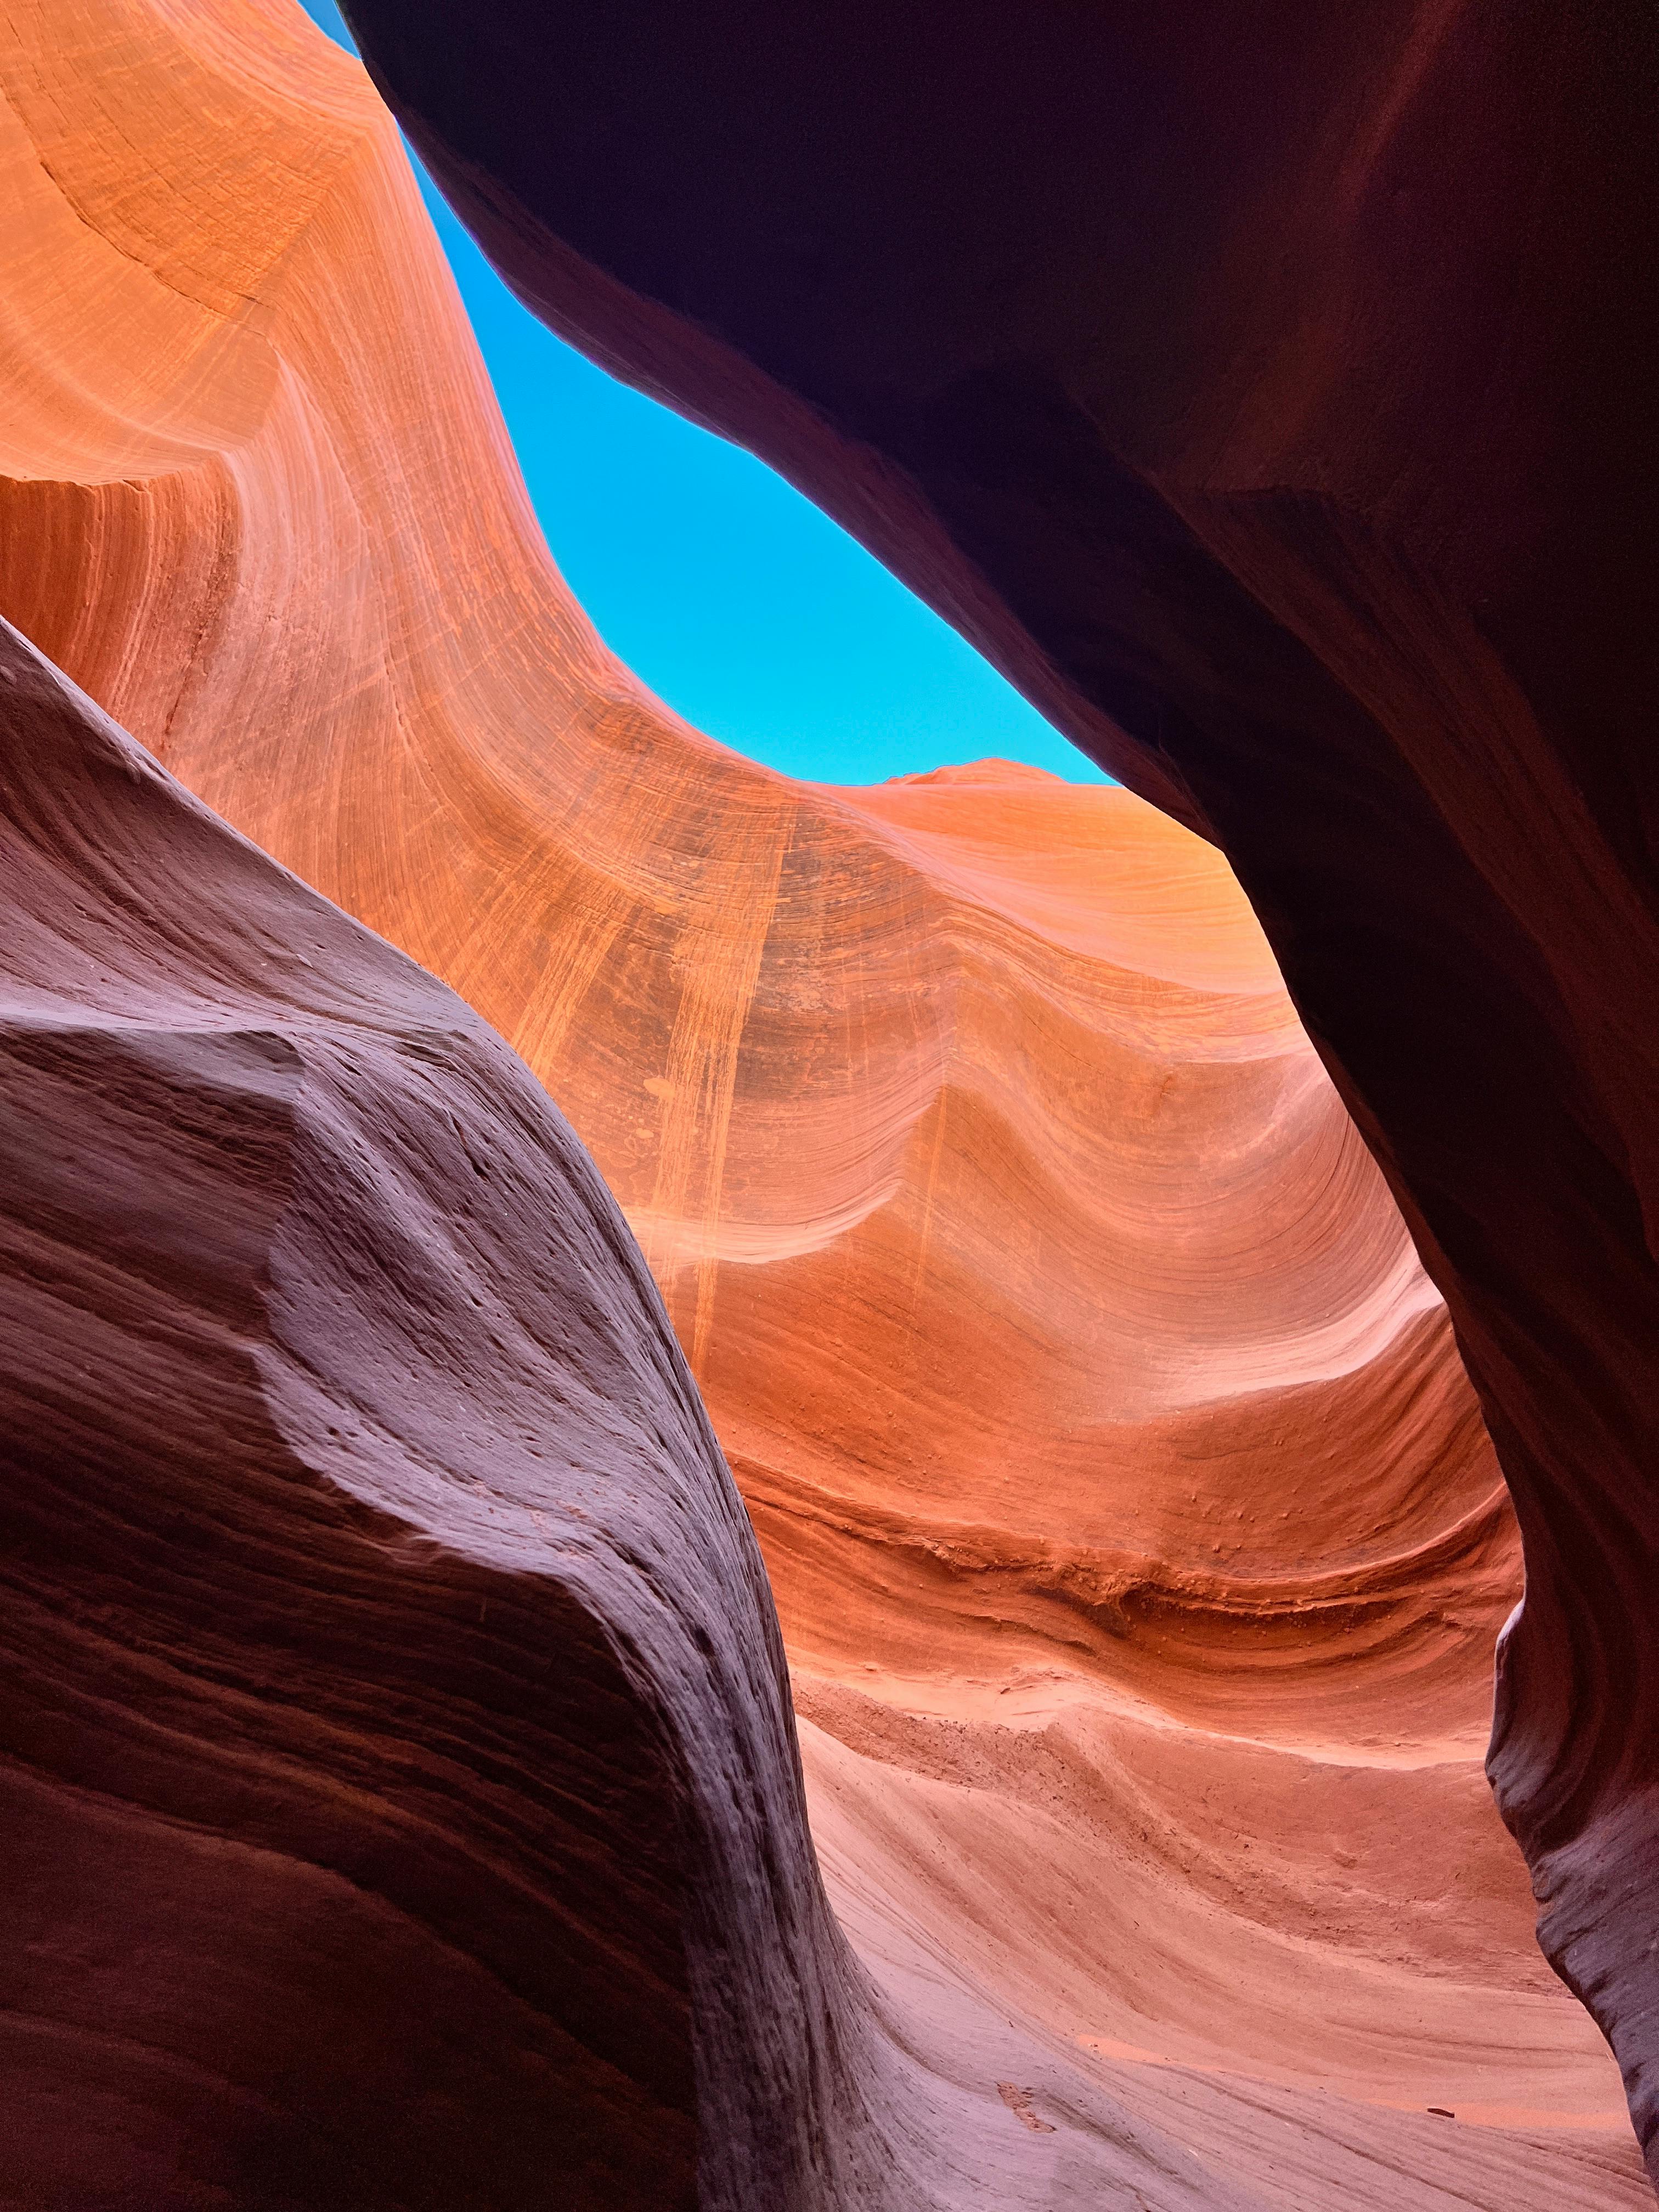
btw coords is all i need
(1139, 1548)
(401, 1798)
(1270, 393)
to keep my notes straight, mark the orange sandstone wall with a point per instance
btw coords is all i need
(1269, 390)
(1138, 1545)
(988, 1173)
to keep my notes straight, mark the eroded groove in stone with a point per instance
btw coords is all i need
(1270, 396)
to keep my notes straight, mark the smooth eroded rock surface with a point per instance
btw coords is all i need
(1139, 1547)
(1271, 395)
(402, 1797)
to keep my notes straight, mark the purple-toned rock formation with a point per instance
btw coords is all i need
(1270, 393)
(402, 1801)
(399, 1776)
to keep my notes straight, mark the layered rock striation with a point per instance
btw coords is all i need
(401, 1795)
(1139, 1547)
(1269, 395)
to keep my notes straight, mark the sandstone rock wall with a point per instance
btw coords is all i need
(1270, 394)
(1129, 1514)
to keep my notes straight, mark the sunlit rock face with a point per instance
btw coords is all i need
(1138, 1545)
(401, 1792)
(1271, 394)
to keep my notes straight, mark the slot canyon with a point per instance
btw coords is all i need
(731, 1493)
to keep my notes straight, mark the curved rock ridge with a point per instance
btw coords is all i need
(401, 1793)
(1269, 394)
(1109, 1447)
(965, 1120)
(989, 1175)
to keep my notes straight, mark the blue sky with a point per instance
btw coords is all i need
(737, 601)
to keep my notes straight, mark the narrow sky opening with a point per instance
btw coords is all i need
(724, 589)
